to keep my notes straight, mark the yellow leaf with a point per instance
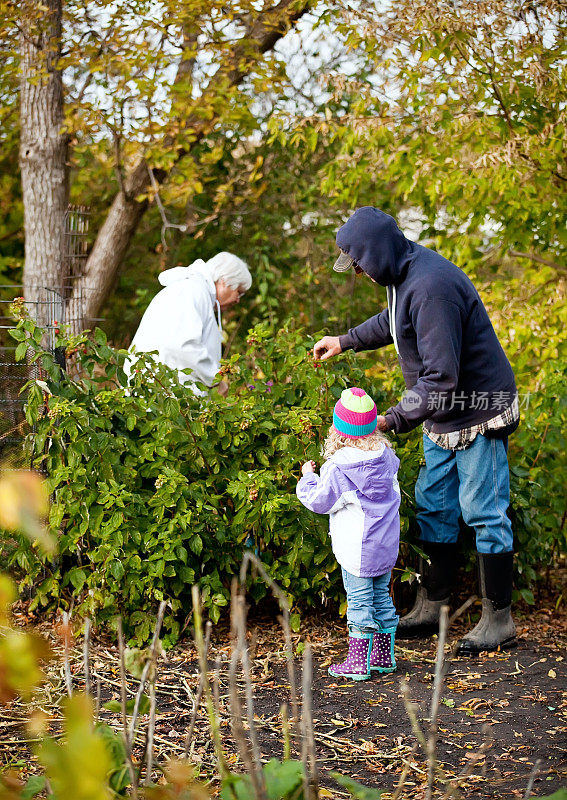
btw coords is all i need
(552, 673)
(24, 502)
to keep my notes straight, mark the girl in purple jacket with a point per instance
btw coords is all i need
(358, 488)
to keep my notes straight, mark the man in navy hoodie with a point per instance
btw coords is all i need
(461, 387)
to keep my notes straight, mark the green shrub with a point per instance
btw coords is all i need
(154, 489)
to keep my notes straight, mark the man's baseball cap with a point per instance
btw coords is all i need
(343, 262)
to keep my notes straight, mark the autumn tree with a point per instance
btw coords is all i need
(455, 114)
(457, 107)
(155, 80)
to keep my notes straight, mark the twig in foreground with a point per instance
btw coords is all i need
(125, 737)
(199, 695)
(67, 634)
(405, 772)
(240, 619)
(533, 775)
(213, 721)
(153, 677)
(236, 714)
(309, 758)
(435, 700)
(251, 558)
(86, 655)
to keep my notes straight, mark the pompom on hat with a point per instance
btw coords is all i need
(355, 414)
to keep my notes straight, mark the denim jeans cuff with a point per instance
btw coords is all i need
(361, 633)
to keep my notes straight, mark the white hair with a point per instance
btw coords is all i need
(231, 269)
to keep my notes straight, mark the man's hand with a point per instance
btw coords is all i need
(382, 424)
(309, 466)
(327, 347)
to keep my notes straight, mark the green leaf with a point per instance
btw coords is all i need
(283, 782)
(283, 778)
(77, 576)
(134, 657)
(219, 600)
(116, 705)
(357, 790)
(21, 351)
(119, 772)
(34, 785)
(116, 569)
(295, 622)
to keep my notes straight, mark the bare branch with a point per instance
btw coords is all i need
(309, 757)
(199, 695)
(125, 738)
(86, 656)
(251, 558)
(126, 211)
(539, 260)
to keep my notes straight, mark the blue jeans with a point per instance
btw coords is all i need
(474, 482)
(369, 605)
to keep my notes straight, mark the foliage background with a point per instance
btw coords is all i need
(454, 122)
(154, 490)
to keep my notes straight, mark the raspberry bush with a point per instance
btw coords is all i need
(154, 489)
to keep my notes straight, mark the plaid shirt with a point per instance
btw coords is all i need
(459, 440)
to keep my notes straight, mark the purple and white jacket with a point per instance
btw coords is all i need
(360, 492)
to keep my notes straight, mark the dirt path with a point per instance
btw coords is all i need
(516, 701)
(513, 703)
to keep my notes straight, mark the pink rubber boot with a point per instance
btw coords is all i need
(382, 654)
(357, 664)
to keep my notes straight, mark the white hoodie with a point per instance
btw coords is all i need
(180, 324)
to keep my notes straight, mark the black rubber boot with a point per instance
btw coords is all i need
(495, 629)
(436, 580)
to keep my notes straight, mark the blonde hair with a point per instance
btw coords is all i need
(335, 441)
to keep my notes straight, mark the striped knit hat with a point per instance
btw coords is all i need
(355, 414)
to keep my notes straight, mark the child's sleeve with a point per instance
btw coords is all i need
(321, 494)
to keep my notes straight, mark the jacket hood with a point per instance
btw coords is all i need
(371, 471)
(373, 239)
(177, 274)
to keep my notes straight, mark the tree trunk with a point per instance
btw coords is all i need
(115, 235)
(113, 238)
(43, 152)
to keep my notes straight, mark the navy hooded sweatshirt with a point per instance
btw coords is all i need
(448, 351)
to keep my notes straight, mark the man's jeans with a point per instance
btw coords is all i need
(474, 482)
(369, 605)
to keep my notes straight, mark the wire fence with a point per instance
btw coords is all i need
(54, 307)
(49, 305)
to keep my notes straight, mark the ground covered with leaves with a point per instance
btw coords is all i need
(502, 720)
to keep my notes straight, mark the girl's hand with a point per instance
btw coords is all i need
(309, 466)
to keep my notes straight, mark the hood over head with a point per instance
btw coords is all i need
(176, 274)
(371, 471)
(373, 239)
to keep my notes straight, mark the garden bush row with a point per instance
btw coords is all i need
(154, 489)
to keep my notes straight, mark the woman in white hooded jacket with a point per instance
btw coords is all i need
(182, 324)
